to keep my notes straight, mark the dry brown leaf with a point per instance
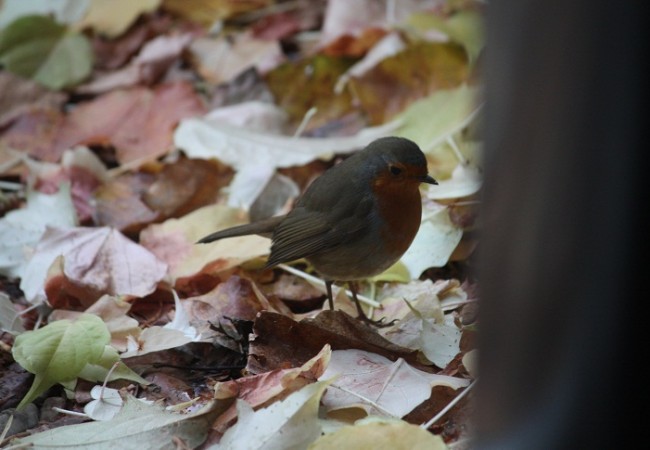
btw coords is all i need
(111, 54)
(20, 96)
(222, 59)
(92, 262)
(282, 342)
(139, 122)
(34, 133)
(234, 298)
(263, 389)
(149, 66)
(119, 203)
(299, 86)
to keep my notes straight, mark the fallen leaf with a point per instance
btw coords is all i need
(36, 47)
(150, 65)
(63, 11)
(155, 339)
(19, 96)
(174, 241)
(464, 26)
(185, 186)
(434, 119)
(287, 424)
(119, 203)
(465, 181)
(20, 230)
(281, 25)
(10, 321)
(207, 12)
(82, 169)
(419, 70)
(113, 17)
(255, 155)
(439, 342)
(242, 51)
(181, 321)
(434, 242)
(105, 405)
(113, 53)
(378, 385)
(34, 133)
(234, 298)
(59, 351)
(345, 17)
(139, 122)
(113, 311)
(97, 261)
(389, 45)
(379, 433)
(281, 342)
(109, 368)
(265, 388)
(136, 426)
(309, 83)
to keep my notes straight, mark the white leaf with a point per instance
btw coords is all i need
(288, 424)
(21, 229)
(433, 244)
(378, 385)
(464, 181)
(181, 321)
(258, 153)
(106, 404)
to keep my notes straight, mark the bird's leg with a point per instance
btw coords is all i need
(330, 299)
(381, 323)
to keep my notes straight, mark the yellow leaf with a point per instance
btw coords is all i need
(206, 12)
(379, 434)
(114, 17)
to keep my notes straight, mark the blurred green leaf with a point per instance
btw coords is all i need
(37, 47)
(464, 27)
(297, 87)
(419, 70)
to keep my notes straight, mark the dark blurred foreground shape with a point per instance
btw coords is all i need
(563, 263)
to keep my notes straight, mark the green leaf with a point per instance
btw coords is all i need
(59, 351)
(137, 426)
(465, 27)
(39, 48)
(432, 119)
(99, 370)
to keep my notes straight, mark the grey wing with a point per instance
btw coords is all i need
(304, 233)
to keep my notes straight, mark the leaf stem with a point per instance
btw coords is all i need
(318, 281)
(446, 409)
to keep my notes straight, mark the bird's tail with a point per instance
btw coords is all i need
(263, 228)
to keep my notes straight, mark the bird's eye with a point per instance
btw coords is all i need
(395, 170)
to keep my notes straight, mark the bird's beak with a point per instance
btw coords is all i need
(428, 179)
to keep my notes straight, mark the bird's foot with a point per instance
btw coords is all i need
(381, 323)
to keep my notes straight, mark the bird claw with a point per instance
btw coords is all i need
(381, 323)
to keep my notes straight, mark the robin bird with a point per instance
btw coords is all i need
(355, 220)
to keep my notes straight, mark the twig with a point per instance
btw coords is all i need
(305, 120)
(446, 409)
(313, 279)
(367, 400)
(10, 420)
(68, 412)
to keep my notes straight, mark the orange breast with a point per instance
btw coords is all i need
(400, 208)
